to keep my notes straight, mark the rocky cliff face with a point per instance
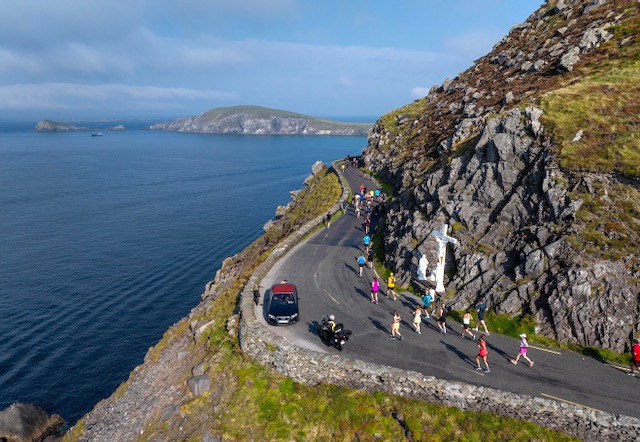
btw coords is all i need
(253, 120)
(476, 154)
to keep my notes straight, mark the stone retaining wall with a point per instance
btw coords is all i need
(312, 368)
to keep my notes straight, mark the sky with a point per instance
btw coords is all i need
(345, 59)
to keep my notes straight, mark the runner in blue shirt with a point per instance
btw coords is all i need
(367, 241)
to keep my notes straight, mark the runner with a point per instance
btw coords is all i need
(442, 319)
(481, 307)
(367, 225)
(375, 288)
(370, 257)
(466, 321)
(361, 262)
(366, 240)
(417, 319)
(328, 217)
(391, 285)
(635, 357)
(482, 354)
(427, 299)
(524, 345)
(395, 327)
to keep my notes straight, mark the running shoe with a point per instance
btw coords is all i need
(486, 370)
(478, 368)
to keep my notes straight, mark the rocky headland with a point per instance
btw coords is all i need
(56, 126)
(530, 157)
(256, 120)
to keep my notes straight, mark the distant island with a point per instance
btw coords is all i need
(256, 120)
(56, 126)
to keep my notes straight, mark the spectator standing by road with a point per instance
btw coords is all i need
(395, 326)
(375, 288)
(361, 263)
(391, 285)
(466, 323)
(635, 357)
(328, 219)
(482, 355)
(481, 307)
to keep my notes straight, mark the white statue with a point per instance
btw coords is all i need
(442, 239)
(422, 268)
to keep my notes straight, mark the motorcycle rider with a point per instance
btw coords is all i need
(332, 323)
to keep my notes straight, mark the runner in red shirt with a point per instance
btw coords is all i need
(635, 357)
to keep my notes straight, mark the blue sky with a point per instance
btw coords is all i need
(84, 59)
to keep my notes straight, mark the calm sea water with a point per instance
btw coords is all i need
(107, 241)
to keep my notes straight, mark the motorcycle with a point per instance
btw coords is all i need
(336, 337)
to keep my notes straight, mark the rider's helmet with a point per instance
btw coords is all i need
(331, 318)
(391, 273)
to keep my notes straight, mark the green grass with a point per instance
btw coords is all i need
(606, 107)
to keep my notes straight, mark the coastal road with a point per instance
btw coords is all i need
(325, 271)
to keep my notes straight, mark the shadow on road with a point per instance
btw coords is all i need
(351, 268)
(313, 327)
(379, 325)
(460, 354)
(362, 293)
(499, 351)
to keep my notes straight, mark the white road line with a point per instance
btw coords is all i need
(334, 299)
(569, 402)
(478, 372)
(545, 349)
(619, 367)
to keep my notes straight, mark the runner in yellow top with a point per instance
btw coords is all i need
(391, 285)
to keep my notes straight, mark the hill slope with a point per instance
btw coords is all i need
(256, 120)
(531, 156)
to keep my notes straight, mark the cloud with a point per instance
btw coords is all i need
(419, 92)
(51, 96)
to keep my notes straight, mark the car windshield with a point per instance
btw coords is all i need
(283, 298)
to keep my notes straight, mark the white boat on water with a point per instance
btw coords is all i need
(96, 134)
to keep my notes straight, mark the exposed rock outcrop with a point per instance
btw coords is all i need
(26, 423)
(474, 160)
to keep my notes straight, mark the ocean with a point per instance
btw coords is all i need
(105, 242)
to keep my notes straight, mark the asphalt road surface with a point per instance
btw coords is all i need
(325, 271)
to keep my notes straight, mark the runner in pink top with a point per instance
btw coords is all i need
(375, 288)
